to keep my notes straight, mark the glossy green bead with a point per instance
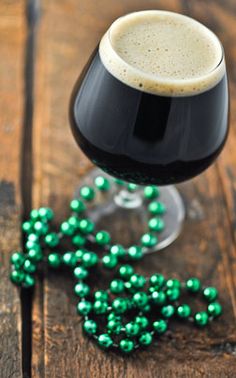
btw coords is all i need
(29, 281)
(119, 305)
(84, 307)
(137, 281)
(80, 273)
(33, 238)
(32, 245)
(17, 277)
(29, 266)
(101, 295)
(119, 182)
(86, 226)
(157, 280)
(118, 251)
(90, 326)
(52, 239)
(117, 286)
(89, 259)
(126, 271)
(34, 215)
(17, 259)
(109, 261)
(27, 227)
(114, 326)
(156, 224)
(132, 329)
(35, 255)
(149, 240)
(113, 316)
(151, 192)
(87, 193)
(193, 285)
(69, 259)
(135, 252)
(126, 345)
(46, 213)
(102, 237)
(78, 240)
(147, 308)
(145, 338)
(140, 299)
(156, 208)
(201, 318)
(105, 341)
(158, 297)
(183, 311)
(173, 283)
(77, 206)
(210, 293)
(167, 311)
(173, 294)
(142, 321)
(79, 253)
(41, 228)
(132, 187)
(73, 221)
(102, 183)
(82, 289)
(54, 260)
(214, 309)
(100, 307)
(67, 229)
(160, 326)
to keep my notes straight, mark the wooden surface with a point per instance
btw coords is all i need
(61, 35)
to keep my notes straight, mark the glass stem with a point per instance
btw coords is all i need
(127, 199)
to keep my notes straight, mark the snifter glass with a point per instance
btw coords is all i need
(148, 131)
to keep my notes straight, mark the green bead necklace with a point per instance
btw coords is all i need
(134, 310)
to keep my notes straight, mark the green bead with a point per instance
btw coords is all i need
(82, 289)
(149, 240)
(73, 221)
(102, 237)
(119, 305)
(17, 259)
(157, 280)
(173, 283)
(137, 281)
(142, 321)
(78, 240)
(140, 299)
(145, 338)
(84, 307)
(90, 327)
(34, 214)
(126, 271)
(214, 309)
(151, 192)
(101, 295)
(86, 226)
(117, 286)
(105, 341)
(167, 311)
(33, 238)
(87, 193)
(100, 307)
(80, 273)
(35, 255)
(173, 294)
(132, 329)
(119, 182)
(184, 311)
(158, 297)
(52, 239)
(89, 259)
(54, 260)
(210, 293)
(132, 187)
(156, 208)
(29, 281)
(114, 326)
(113, 316)
(102, 183)
(79, 253)
(201, 318)
(17, 277)
(27, 227)
(77, 206)
(67, 229)
(193, 285)
(45, 213)
(156, 224)
(160, 326)
(41, 228)
(126, 345)
(135, 252)
(69, 259)
(29, 266)
(109, 261)
(32, 245)
(118, 251)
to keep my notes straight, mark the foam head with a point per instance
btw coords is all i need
(163, 53)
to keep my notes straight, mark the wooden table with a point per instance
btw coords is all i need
(43, 47)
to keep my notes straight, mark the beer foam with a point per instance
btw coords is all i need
(163, 53)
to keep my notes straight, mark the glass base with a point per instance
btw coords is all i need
(124, 214)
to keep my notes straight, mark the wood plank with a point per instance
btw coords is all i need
(68, 32)
(12, 48)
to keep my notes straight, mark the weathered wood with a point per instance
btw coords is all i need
(12, 44)
(68, 32)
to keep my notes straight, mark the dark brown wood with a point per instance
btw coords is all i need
(12, 44)
(67, 33)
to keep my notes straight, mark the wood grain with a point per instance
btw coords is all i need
(67, 33)
(12, 43)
